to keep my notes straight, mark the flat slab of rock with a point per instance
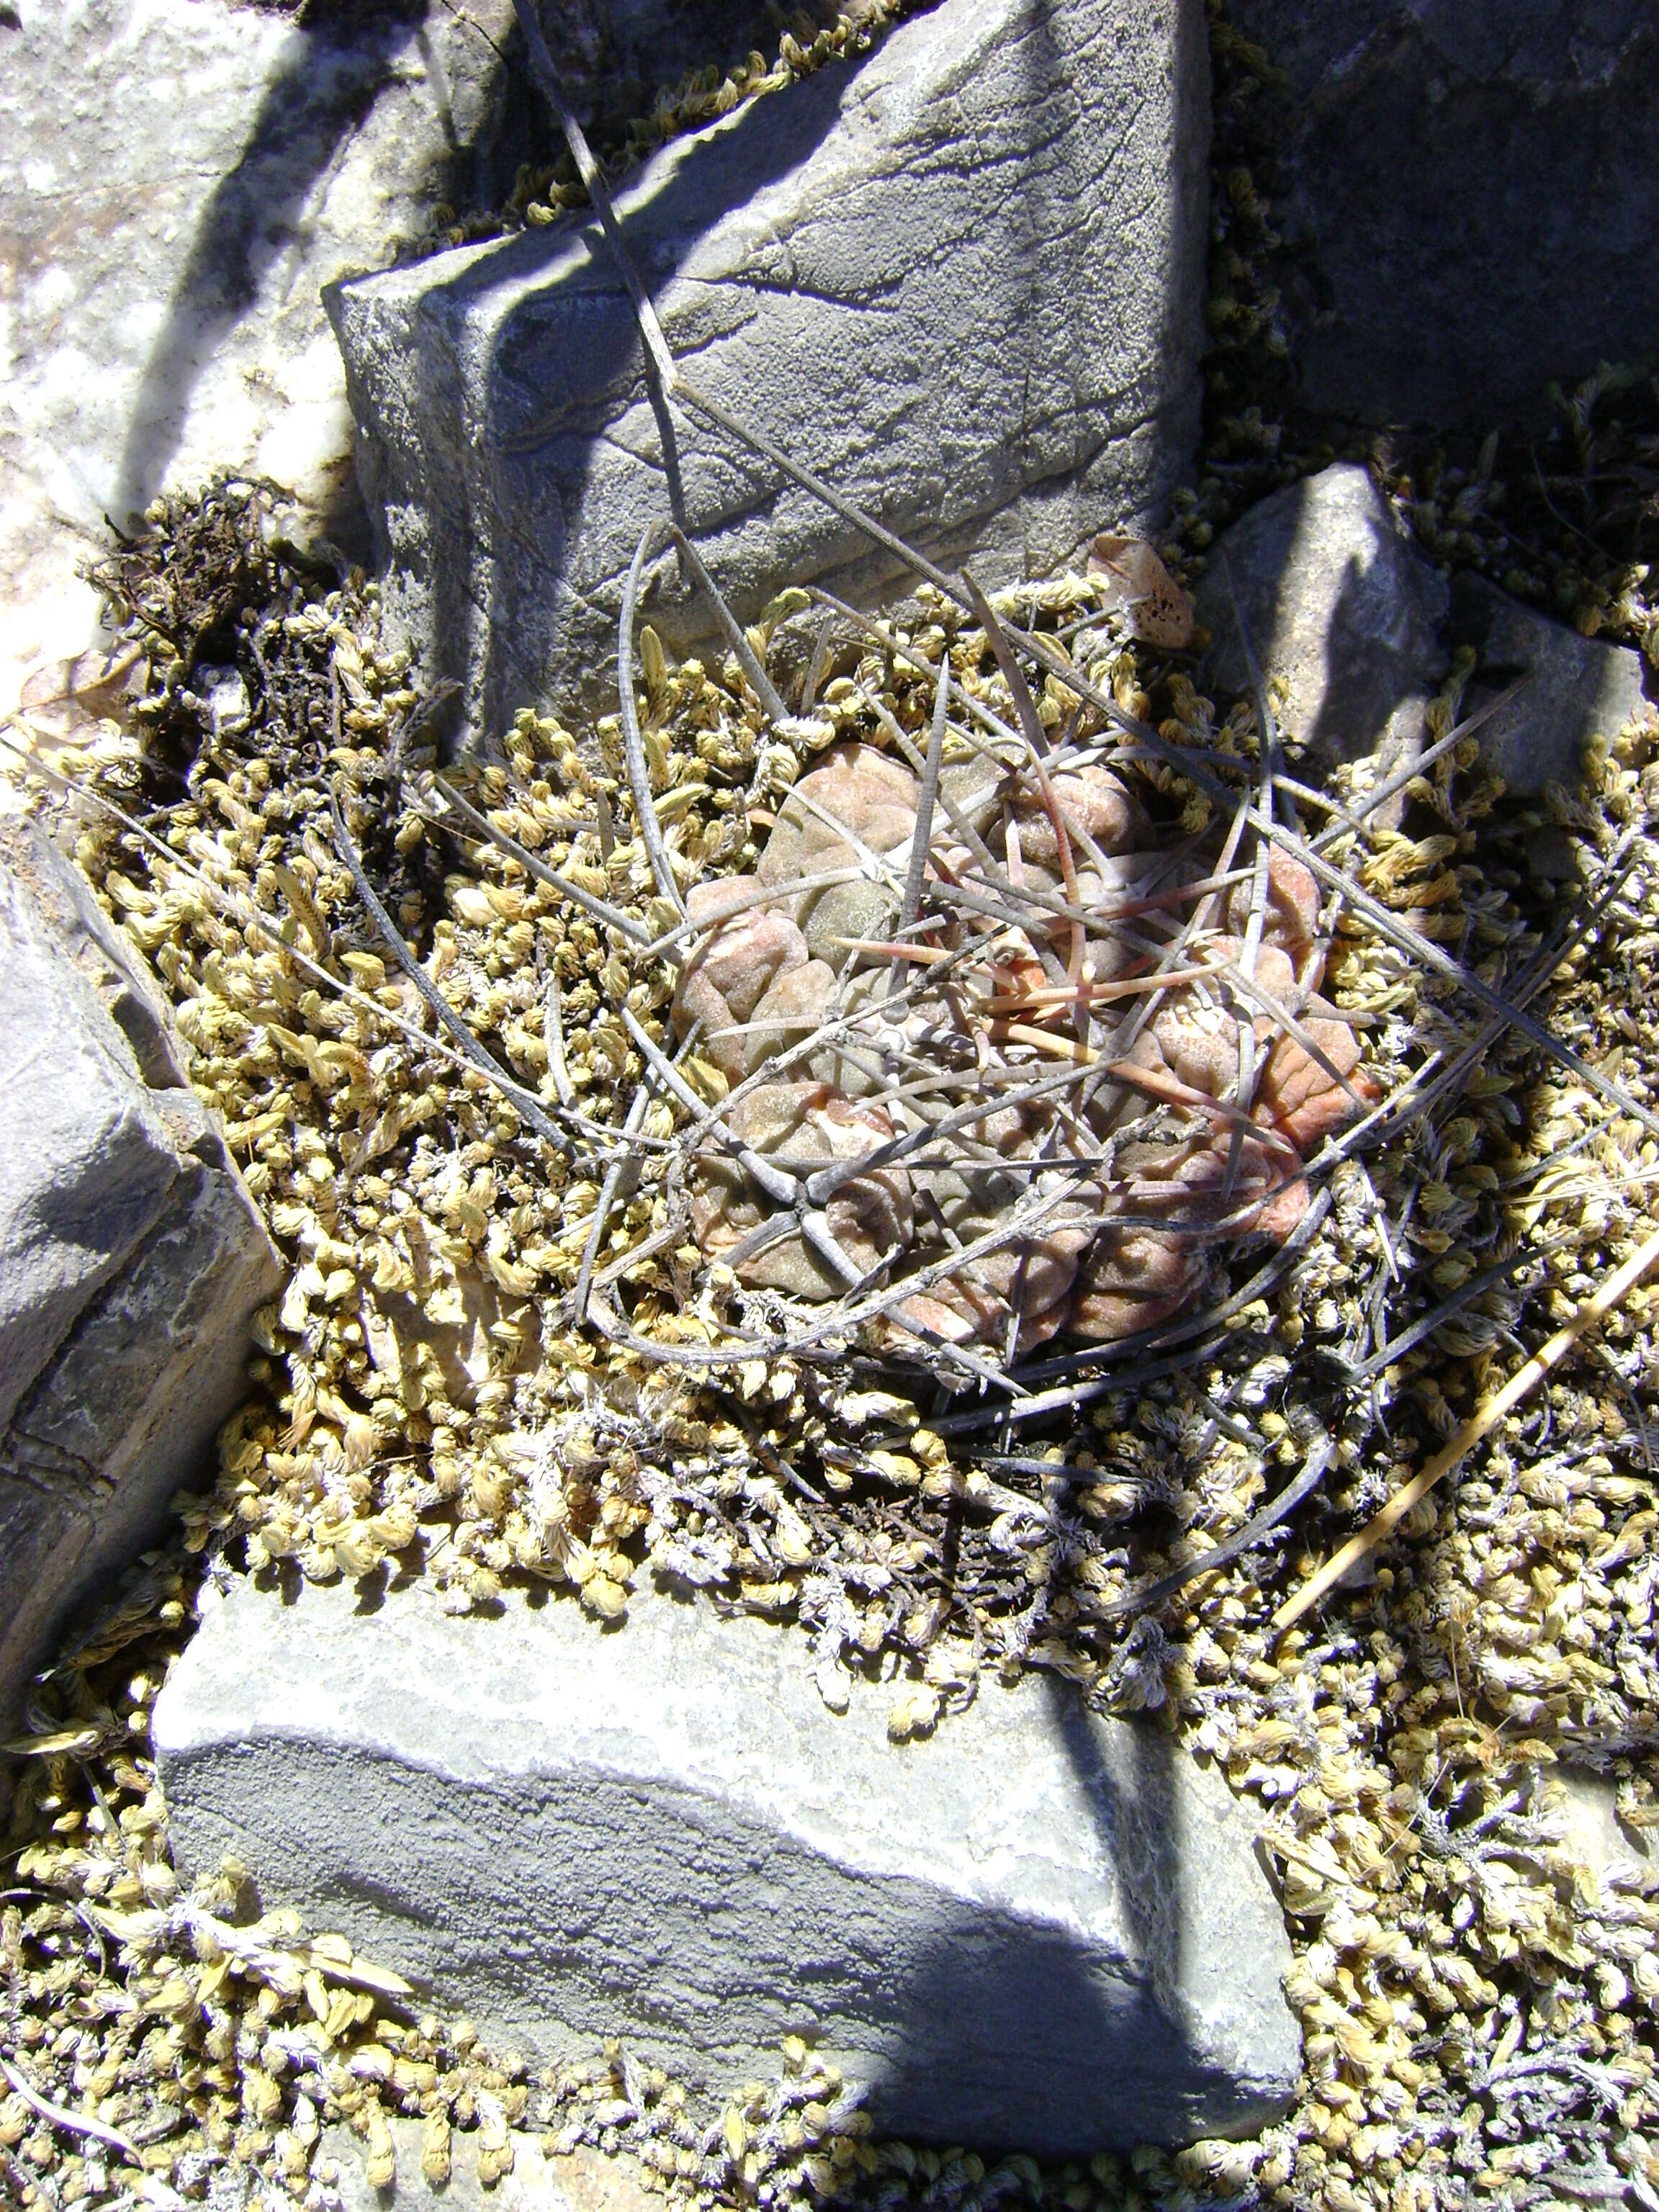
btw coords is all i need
(962, 279)
(175, 185)
(133, 1258)
(1038, 1930)
(1468, 191)
(1340, 605)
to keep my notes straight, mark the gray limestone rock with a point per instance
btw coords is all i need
(87, 1163)
(962, 279)
(1340, 605)
(1038, 1928)
(1468, 193)
(132, 1260)
(1577, 688)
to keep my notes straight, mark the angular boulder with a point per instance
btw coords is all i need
(1338, 604)
(1039, 1929)
(1467, 192)
(1577, 688)
(131, 1258)
(962, 279)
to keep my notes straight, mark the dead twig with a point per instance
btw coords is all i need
(639, 773)
(553, 1037)
(552, 89)
(80, 2124)
(1243, 1539)
(597, 909)
(911, 899)
(1413, 943)
(760, 683)
(238, 907)
(624, 1165)
(398, 947)
(1031, 722)
(1437, 1316)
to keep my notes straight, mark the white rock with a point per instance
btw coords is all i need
(1592, 1829)
(538, 2181)
(962, 279)
(1038, 1928)
(177, 177)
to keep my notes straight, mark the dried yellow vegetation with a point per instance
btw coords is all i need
(1478, 1993)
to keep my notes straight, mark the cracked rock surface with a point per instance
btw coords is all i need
(133, 1258)
(1037, 1928)
(963, 280)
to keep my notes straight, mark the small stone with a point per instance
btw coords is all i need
(1340, 606)
(962, 278)
(1553, 858)
(134, 1259)
(1592, 1831)
(1577, 688)
(1034, 1928)
(537, 2179)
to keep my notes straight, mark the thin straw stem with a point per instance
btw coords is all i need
(1480, 1423)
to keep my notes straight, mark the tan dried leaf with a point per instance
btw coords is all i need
(1159, 611)
(60, 697)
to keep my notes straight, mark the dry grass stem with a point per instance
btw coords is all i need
(1479, 1425)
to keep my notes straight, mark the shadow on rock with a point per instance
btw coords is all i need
(998, 2005)
(329, 76)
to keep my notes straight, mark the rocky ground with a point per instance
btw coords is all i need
(1450, 1765)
